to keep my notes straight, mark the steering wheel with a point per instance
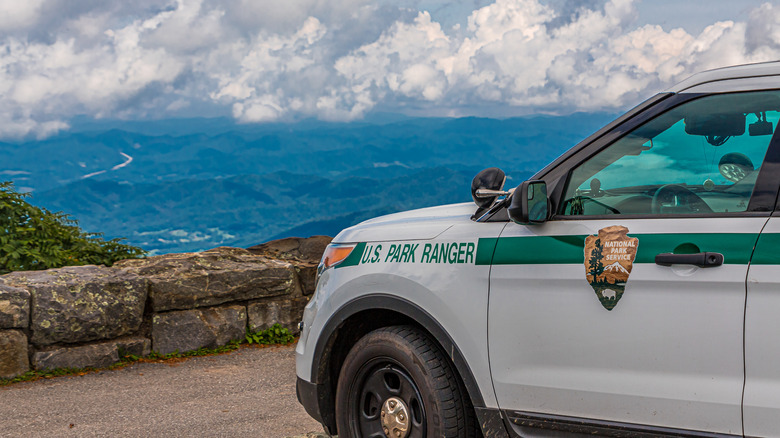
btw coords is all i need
(683, 198)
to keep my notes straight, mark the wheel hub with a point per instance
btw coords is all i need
(395, 418)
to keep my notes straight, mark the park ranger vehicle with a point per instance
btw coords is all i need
(629, 288)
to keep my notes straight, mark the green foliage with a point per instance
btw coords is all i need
(33, 375)
(203, 351)
(276, 334)
(33, 238)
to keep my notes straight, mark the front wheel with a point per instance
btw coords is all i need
(396, 383)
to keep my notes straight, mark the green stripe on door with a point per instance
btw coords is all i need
(767, 250)
(485, 248)
(536, 250)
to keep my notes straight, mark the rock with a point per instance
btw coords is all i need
(307, 274)
(262, 315)
(186, 330)
(97, 355)
(308, 249)
(13, 354)
(14, 307)
(81, 303)
(304, 253)
(137, 346)
(209, 278)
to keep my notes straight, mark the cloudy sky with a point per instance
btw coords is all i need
(274, 60)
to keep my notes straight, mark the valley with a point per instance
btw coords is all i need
(193, 184)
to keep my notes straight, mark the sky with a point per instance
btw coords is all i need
(341, 60)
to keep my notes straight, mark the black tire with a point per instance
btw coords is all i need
(405, 363)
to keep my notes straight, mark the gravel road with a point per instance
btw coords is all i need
(247, 393)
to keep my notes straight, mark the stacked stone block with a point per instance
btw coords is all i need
(89, 316)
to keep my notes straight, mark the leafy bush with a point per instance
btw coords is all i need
(276, 334)
(33, 238)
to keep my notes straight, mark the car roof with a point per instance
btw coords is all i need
(758, 70)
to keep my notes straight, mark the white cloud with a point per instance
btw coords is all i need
(338, 60)
(19, 14)
(410, 60)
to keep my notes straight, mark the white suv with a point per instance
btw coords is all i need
(630, 288)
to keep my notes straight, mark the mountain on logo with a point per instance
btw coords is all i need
(609, 282)
(616, 267)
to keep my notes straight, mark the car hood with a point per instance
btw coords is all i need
(420, 224)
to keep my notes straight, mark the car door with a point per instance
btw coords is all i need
(761, 405)
(625, 310)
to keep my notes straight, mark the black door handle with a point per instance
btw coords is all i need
(701, 259)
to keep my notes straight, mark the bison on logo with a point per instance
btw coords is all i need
(609, 257)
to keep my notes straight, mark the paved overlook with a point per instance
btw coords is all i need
(247, 393)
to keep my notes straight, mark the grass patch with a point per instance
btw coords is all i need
(276, 335)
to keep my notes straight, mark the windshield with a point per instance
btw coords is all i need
(702, 156)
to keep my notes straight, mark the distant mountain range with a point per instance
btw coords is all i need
(193, 184)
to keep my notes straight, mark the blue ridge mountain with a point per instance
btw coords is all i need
(192, 184)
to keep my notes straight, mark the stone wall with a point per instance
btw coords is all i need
(87, 316)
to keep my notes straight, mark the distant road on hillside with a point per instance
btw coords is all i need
(128, 160)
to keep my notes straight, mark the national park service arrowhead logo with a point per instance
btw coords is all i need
(609, 257)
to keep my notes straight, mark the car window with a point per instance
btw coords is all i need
(700, 157)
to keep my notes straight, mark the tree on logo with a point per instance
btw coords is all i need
(596, 267)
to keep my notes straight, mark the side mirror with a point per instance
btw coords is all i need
(529, 203)
(486, 186)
